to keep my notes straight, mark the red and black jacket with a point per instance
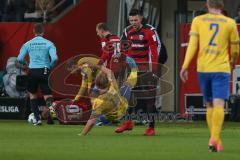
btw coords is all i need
(145, 46)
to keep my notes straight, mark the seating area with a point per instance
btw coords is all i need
(32, 10)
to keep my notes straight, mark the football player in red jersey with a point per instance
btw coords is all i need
(144, 50)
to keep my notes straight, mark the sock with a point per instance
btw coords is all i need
(151, 124)
(151, 110)
(34, 108)
(128, 116)
(209, 118)
(217, 122)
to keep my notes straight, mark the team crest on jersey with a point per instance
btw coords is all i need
(141, 37)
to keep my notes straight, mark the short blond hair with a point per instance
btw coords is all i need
(102, 26)
(102, 81)
(217, 4)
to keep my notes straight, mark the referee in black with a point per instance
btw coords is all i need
(42, 57)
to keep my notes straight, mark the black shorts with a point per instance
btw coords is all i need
(39, 78)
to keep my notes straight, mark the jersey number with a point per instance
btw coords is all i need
(214, 27)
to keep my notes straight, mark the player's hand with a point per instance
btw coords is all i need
(80, 134)
(184, 75)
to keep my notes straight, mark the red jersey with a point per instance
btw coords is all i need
(144, 46)
(109, 48)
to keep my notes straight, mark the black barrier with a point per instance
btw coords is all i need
(13, 108)
(18, 108)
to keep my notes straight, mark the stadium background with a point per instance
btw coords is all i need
(73, 32)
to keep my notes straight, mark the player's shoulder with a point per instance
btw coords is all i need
(40, 39)
(209, 17)
(113, 37)
(28, 43)
(199, 18)
(230, 20)
(149, 26)
(128, 28)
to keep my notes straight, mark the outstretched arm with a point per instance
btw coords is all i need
(88, 126)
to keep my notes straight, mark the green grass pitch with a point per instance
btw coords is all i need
(181, 141)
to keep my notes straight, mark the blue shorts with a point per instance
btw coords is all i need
(103, 119)
(214, 85)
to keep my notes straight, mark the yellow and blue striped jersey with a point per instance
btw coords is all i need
(213, 36)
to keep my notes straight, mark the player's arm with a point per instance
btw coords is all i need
(153, 47)
(104, 55)
(22, 54)
(191, 50)
(111, 77)
(192, 46)
(86, 82)
(103, 58)
(90, 123)
(53, 55)
(96, 112)
(234, 41)
(82, 89)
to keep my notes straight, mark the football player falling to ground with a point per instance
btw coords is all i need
(111, 103)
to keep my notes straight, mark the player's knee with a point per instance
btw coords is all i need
(218, 102)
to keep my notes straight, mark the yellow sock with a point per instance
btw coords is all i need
(209, 118)
(217, 122)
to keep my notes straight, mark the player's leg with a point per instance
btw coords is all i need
(209, 114)
(151, 110)
(32, 90)
(150, 103)
(126, 91)
(215, 141)
(220, 87)
(205, 84)
(34, 108)
(47, 95)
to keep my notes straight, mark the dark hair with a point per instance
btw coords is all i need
(102, 26)
(38, 28)
(102, 80)
(135, 12)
